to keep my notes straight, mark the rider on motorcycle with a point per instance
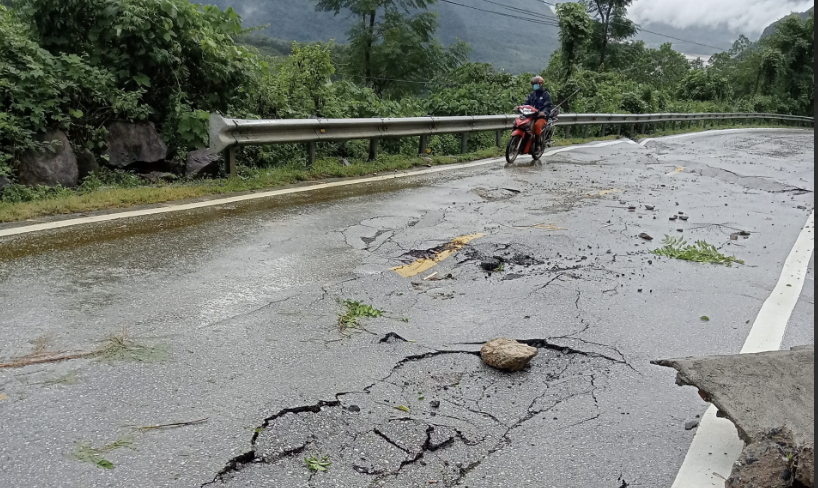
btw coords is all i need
(541, 100)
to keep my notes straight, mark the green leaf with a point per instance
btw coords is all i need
(705, 318)
(403, 408)
(104, 464)
(142, 79)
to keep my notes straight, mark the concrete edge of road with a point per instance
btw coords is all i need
(170, 207)
(717, 445)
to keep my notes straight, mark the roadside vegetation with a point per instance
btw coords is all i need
(78, 65)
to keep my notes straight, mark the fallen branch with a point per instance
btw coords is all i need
(21, 363)
(172, 426)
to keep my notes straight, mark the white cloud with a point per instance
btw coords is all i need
(745, 16)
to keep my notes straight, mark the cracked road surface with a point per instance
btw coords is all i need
(246, 298)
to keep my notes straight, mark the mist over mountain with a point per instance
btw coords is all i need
(509, 43)
(512, 43)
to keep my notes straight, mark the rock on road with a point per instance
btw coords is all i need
(245, 299)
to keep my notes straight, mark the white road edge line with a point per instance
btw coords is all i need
(716, 446)
(14, 231)
(171, 207)
(644, 142)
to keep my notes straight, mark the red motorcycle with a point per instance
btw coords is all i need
(523, 140)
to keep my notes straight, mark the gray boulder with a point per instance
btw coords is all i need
(52, 167)
(134, 144)
(202, 163)
(87, 163)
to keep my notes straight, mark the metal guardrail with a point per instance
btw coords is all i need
(228, 134)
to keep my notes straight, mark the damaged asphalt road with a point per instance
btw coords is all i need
(246, 299)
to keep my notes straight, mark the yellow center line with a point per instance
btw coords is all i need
(425, 264)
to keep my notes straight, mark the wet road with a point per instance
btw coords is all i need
(237, 309)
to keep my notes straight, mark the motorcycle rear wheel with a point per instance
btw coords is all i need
(513, 149)
(540, 150)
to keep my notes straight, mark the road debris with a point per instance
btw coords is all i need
(770, 398)
(646, 237)
(173, 425)
(507, 355)
(3, 397)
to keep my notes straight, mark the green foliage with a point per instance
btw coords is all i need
(701, 252)
(318, 465)
(393, 49)
(576, 29)
(175, 55)
(354, 312)
(40, 90)
(86, 453)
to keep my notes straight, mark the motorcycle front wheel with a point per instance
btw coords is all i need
(513, 149)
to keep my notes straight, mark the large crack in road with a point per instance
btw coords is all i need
(433, 420)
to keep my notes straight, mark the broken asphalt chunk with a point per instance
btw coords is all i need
(770, 398)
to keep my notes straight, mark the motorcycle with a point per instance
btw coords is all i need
(523, 140)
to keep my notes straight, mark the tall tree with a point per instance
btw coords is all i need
(366, 33)
(576, 29)
(613, 24)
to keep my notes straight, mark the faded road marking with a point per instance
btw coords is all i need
(717, 446)
(425, 264)
(606, 192)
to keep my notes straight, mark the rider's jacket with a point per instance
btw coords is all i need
(541, 100)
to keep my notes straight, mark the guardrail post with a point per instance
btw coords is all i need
(373, 149)
(464, 143)
(424, 145)
(619, 130)
(312, 150)
(499, 138)
(585, 133)
(567, 132)
(603, 130)
(230, 162)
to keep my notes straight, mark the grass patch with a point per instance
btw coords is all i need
(318, 465)
(121, 347)
(86, 453)
(701, 252)
(249, 179)
(354, 312)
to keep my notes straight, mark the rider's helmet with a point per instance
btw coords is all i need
(538, 80)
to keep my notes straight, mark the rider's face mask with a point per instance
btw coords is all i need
(537, 87)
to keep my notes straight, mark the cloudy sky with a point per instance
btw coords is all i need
(747, 16)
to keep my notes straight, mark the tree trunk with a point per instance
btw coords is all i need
(368, 53)
(606, 20)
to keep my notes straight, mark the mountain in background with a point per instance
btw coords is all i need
(771, 29)
(508, 43)
(512, 44)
